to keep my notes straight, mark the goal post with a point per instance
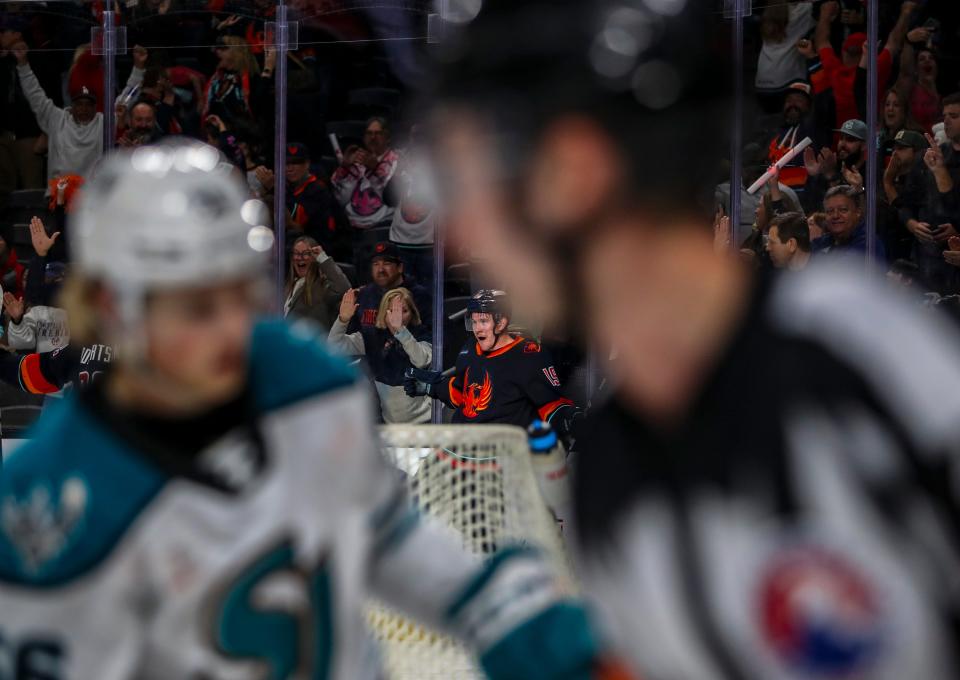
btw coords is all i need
(479, 481)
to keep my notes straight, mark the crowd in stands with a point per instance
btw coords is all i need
(359, 223)
(811, 81)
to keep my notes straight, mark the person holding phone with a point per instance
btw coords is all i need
(929, 219)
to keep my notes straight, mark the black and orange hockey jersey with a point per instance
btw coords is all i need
(49, 372)
(514, 385)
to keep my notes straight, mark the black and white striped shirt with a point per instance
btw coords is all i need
(803, 523)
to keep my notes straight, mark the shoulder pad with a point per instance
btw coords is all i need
(60, 511)
(289, 363)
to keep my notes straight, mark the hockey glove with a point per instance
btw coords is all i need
(418, 382)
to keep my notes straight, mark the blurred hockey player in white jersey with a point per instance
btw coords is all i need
(769, 490)
(215, 505)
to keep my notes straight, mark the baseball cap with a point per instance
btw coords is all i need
(385, 251)
(854, 128)
(83, 92)
(854, 42)
(799, 85)
(297, 153)
(910, 138)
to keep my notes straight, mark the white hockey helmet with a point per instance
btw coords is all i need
(167, 216)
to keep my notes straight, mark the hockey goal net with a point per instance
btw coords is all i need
(479, 480)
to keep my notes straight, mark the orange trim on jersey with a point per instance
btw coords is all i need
(307, 182)
(32, 377)
(547, 409)
(456, 396)
(502, 350)
(299, 215)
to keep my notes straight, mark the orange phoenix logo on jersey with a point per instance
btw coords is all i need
(476, 398)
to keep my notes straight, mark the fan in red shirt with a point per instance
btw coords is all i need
(841, 72)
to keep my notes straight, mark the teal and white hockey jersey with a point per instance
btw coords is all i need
(252, 558)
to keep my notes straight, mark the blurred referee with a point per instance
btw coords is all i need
(770, 490)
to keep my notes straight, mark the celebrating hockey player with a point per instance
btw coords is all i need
(215, 506)
(500, 377)
(770, 489)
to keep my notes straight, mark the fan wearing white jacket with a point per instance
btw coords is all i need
(76, 132)
(41, 329)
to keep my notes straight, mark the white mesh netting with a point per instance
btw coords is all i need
(478, 479)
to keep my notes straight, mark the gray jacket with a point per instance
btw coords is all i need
(325, 295)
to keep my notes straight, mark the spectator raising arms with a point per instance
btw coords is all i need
(397, 341)
(76, 133)
(773, 203)
(315, 284)
(918, 78)
(237, 90)
(36, 325)
(782, 24)
(841, 72)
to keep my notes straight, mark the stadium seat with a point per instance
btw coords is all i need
(23, 205)
(373, 101)
(22, 240)
(27, 198)
(304, 109)
(457, 280)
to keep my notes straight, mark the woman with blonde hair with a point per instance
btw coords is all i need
(397, 341)
(238, 89)
(315, 283)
